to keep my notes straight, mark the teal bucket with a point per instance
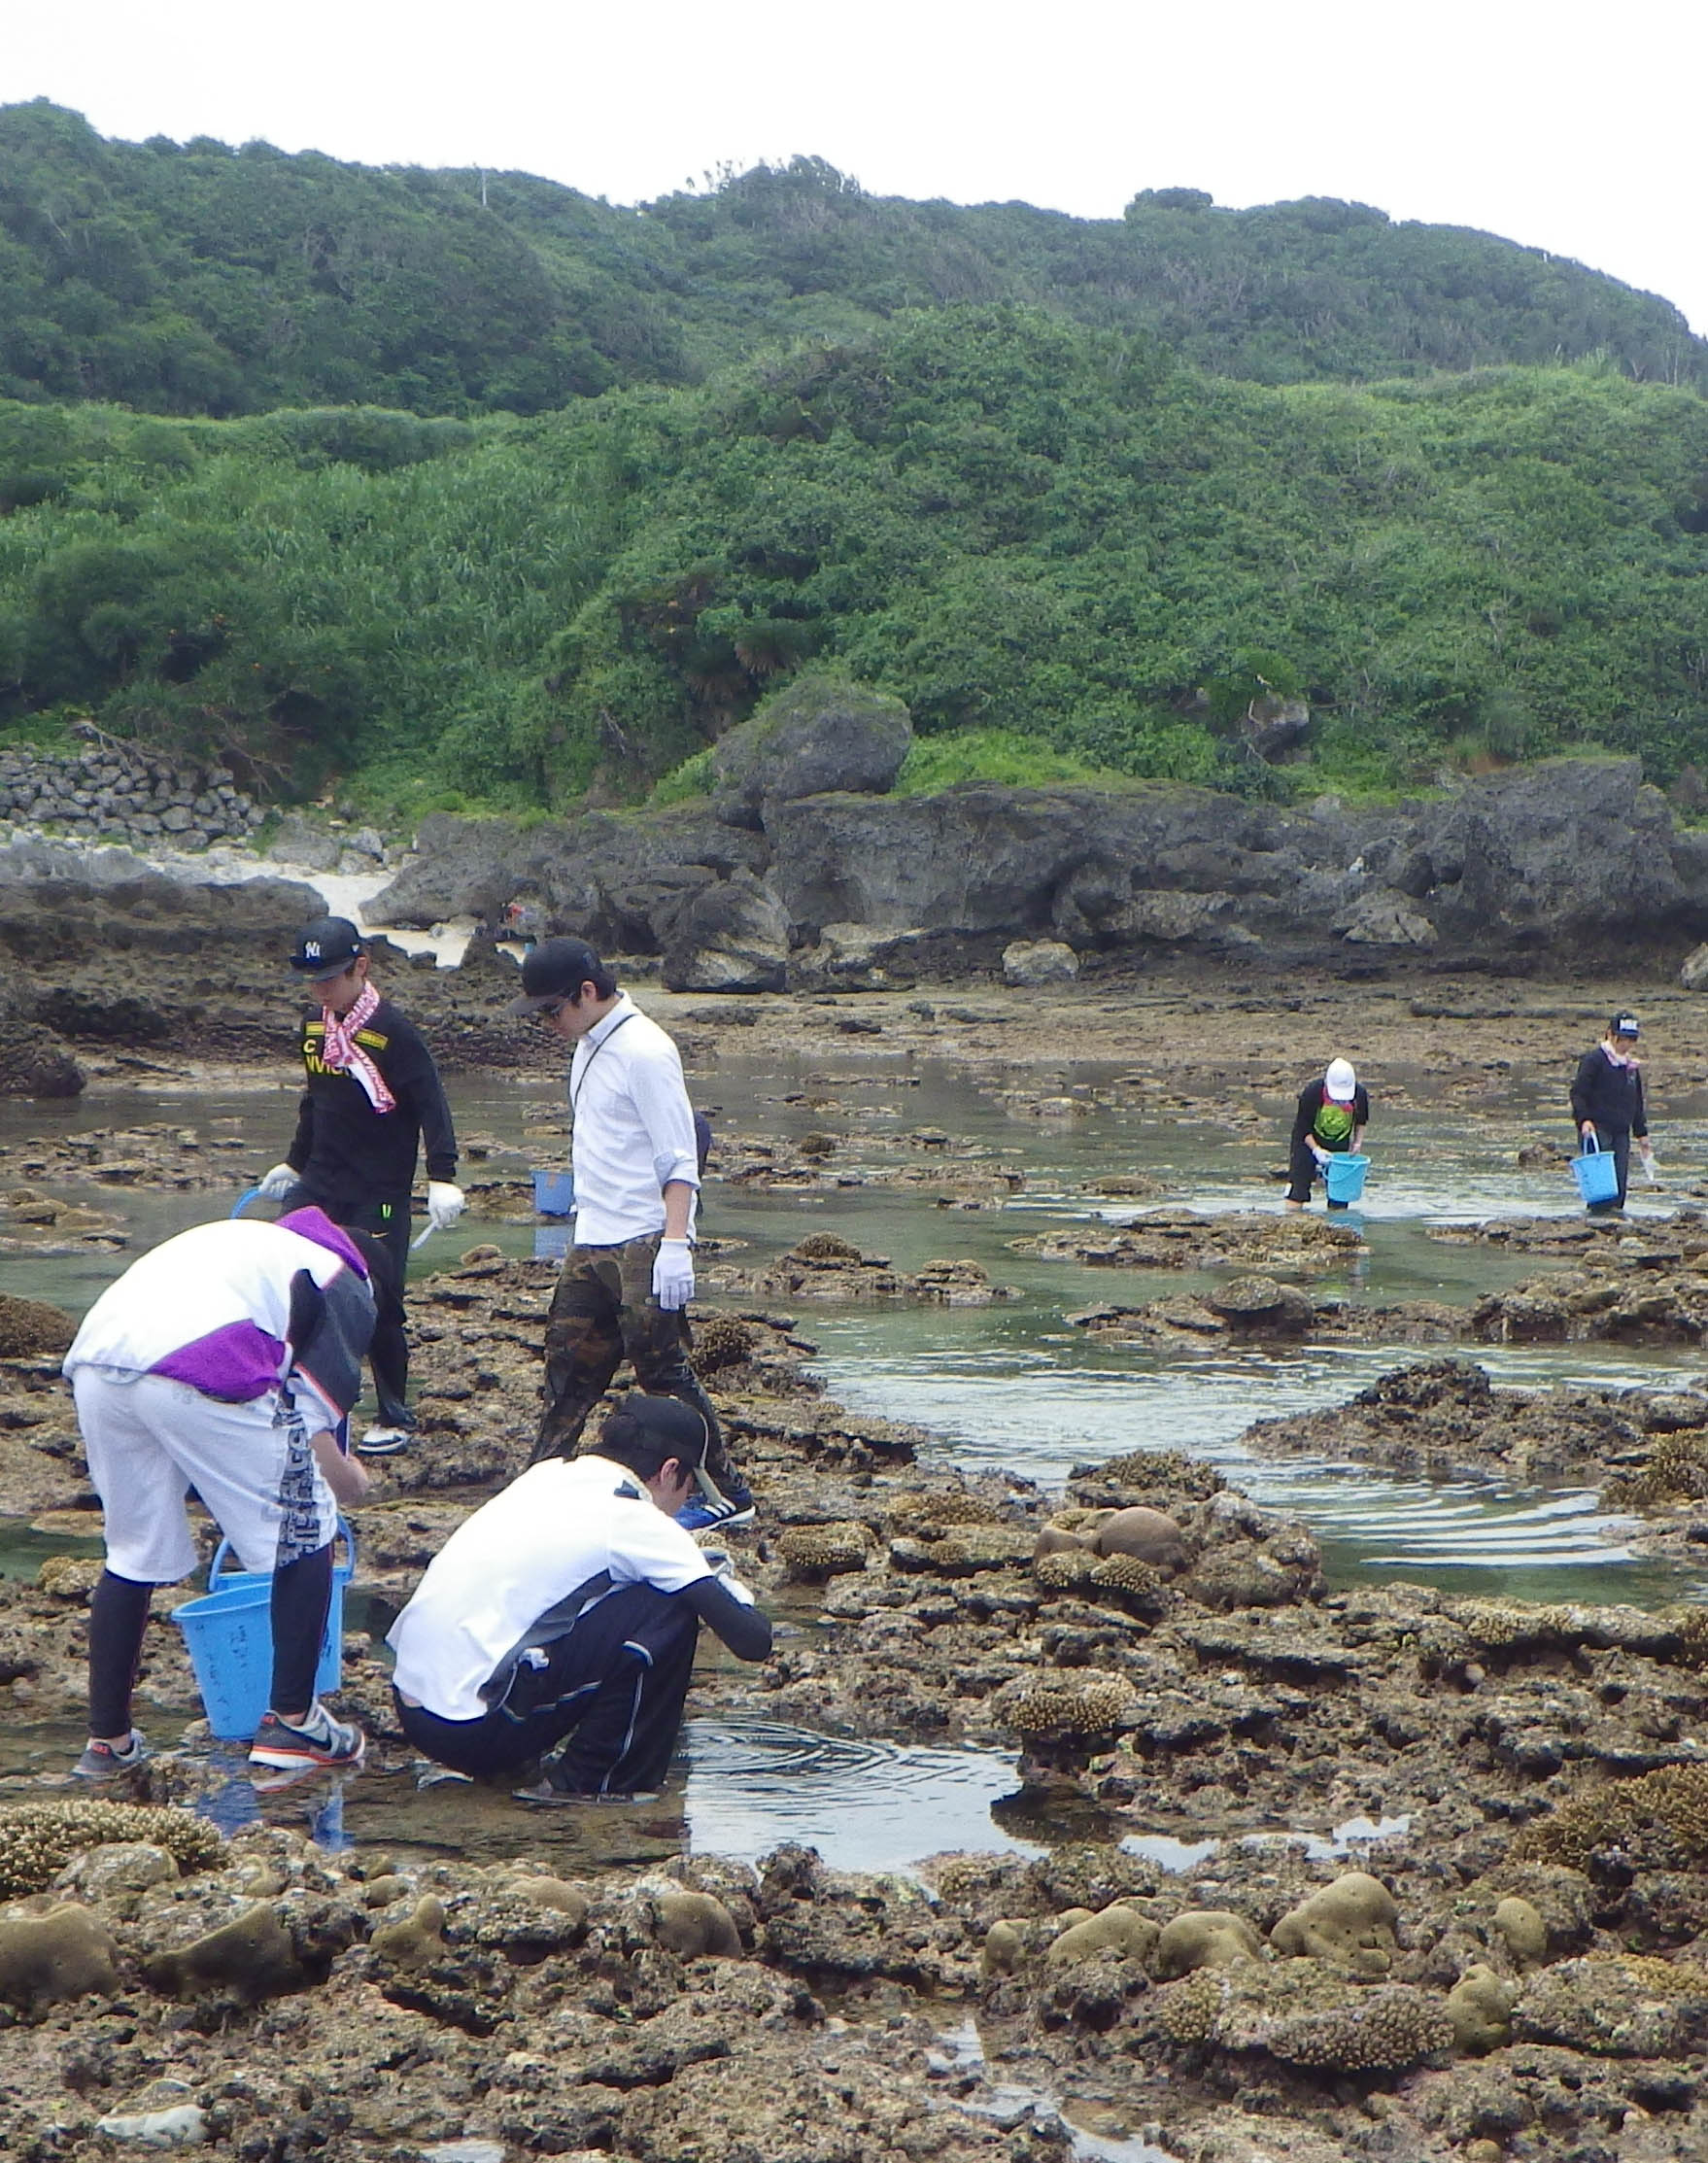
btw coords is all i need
(554, 1193)
(1597, 1172)
(1344, 1176)
(228, 1634)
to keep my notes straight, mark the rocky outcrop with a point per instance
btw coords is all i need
(813, 738)
(1573, 854)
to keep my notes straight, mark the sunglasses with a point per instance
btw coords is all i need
(552, 1008)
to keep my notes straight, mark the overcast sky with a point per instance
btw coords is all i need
(1573, 130)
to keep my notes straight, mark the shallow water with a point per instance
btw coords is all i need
(1014, 1385)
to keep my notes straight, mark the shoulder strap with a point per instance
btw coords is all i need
(576, 1092)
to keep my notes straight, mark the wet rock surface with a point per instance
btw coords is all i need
(1183, 1239)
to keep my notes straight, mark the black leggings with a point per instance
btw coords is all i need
(119, 1616)
(1302, 1168)
(615, 1685)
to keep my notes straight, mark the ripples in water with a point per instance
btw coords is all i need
(863, 1805)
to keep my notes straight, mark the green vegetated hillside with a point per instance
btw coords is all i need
(198, 279)
(1060, 545)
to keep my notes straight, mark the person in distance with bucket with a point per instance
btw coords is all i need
(224, 1360)
(625, 1282)
(1330, 1121)
(1607, 1103)
(564, 1614)
(371, 1098)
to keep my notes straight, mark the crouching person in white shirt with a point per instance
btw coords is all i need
(563, 1616)
(227, 1360)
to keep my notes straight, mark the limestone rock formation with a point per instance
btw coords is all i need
(815, 736)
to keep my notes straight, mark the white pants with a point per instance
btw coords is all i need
(149, 1440)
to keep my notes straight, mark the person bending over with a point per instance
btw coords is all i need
(1330, 1121)
(371, 1097)
(625, 1282)
(224, 1360)
(563, 1616)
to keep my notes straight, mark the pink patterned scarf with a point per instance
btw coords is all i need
(344, 1055)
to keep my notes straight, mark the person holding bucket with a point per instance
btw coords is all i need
(1607, 1105)
(371, 1098)
(224, 1359)
(559, 1623)
(1330, 1120)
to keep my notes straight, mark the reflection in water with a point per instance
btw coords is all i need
(1013, 2105)
(863, 1804)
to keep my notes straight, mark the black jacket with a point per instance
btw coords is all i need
(346, 1152)
(1612, 1096)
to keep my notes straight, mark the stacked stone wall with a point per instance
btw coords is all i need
(116, 793)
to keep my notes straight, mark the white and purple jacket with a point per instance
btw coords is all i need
(237, 1309)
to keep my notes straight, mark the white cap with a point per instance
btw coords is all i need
(1340, 1082)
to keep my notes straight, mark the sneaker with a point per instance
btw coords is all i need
(101, 1761)
(702, 1513)
(320, 1741)
(382, 1442)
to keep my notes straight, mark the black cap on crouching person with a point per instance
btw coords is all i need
(1624, 1025)
(327, 948)
(644, 1432)
(557, 969)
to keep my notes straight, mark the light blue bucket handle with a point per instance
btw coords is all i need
(343, 1530)
(244, 1199)
(1591, 1145)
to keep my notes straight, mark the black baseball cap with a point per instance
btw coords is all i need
(1623, 1025)
(327, 948)
(556, 969)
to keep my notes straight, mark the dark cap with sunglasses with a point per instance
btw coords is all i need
(327, 948)
(555, 970)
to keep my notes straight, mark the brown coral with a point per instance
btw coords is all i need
(1389, 2030)
(1658, 1817)
(37, 1839)
(722, 1341)
(825, 1250)
(811, 1553)
(1090, 1705)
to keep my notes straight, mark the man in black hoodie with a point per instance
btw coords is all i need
(1607, 1102)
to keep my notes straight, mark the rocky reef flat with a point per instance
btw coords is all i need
(1380, 1872)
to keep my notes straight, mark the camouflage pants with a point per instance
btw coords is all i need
(604, 1311)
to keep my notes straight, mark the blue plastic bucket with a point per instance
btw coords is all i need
(228, 1634)
(554, 1193)
(1597, 1172)
(1344, 1176)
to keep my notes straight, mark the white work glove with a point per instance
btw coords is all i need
(445, 1204)
(672, 1274)
(278, 1182)
(724, 1570)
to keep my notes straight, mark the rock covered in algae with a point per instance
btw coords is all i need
(46, 1959)
(32, 1330)
(1118, 1930)
(69, 1577)
(1522, 1929)
(695, 1926)
(1005, 1947)
(37, 1839)
(811, 1553)
(722, 1341)
(1350, 1923)
(416, 1941)
(1146, 1536)
(1622, 2005)
(966, 1550)
(253, 1956)
(1203, 1938)
(1479, 2007)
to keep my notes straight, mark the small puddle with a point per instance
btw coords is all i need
(1356, 1836)
(1013, 2104)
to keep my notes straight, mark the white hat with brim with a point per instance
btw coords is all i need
(1340, 1082)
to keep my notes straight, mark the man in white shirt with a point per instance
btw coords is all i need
(565, 1611)
(627, 1280)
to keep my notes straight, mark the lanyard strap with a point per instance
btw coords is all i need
(576, 1092)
